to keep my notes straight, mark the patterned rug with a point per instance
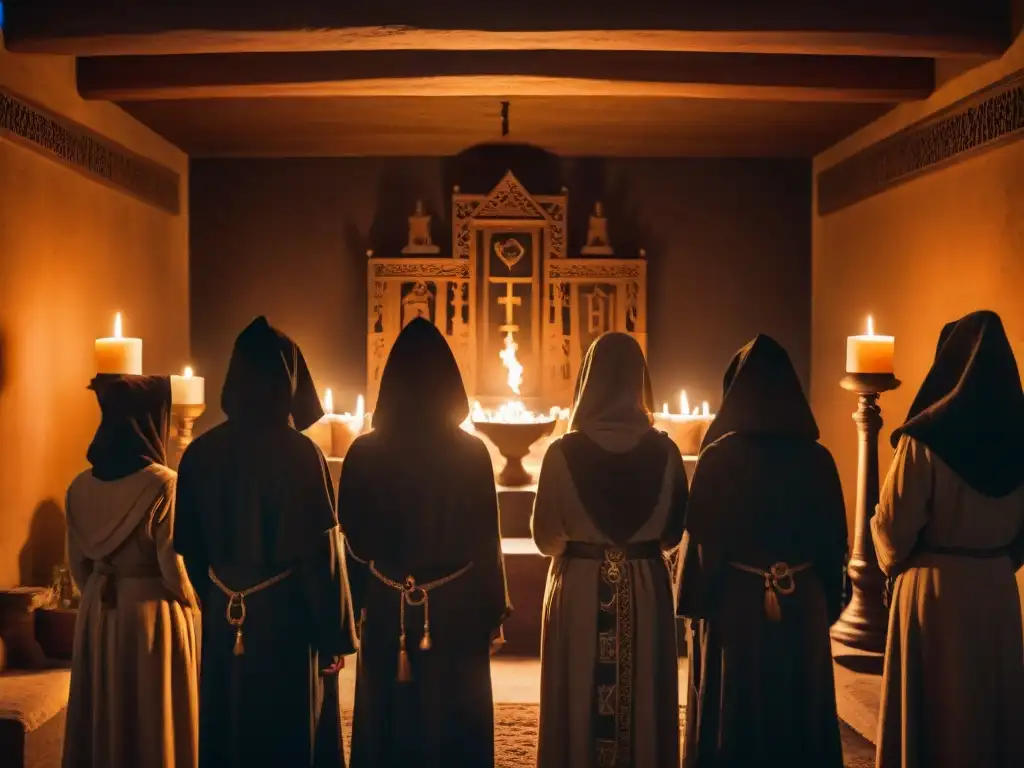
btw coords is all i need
(515, 738)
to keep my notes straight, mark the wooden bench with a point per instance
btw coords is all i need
(33, 707)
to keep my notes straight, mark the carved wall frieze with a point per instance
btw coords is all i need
(984, 120)
(571, 268)
(88, 153)
(457, 268)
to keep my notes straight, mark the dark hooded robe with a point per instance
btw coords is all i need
(134, 699)
(950, 528)
(256, 510)
(417, 504)
(611, 501)
(765, 493)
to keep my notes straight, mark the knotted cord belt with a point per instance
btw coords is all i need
(237, 600)
(778, 580)
(411, 593)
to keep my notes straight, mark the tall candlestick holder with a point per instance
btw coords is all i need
(865, 621)
(183, 419)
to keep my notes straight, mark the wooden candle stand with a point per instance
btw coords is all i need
(183, 419)
(865, 621)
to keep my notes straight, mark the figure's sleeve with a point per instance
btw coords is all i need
(903, 505)
(680, 498)
(79, 565)
(161, 529)
(185, 530)
(489, 561)
(834, 541)
(321, 567)
(546, 522)
(701, 561)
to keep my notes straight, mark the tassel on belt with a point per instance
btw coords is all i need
(411, 593)
(778, 580)
(236, 600)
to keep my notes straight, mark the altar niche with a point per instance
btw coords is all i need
(508, 292)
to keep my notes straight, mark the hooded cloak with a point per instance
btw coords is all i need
(762, 395)
(619, 489)
(970, 408)
(760, 691)
(417, 499)
(421, 387)
(134, 426)
(256, 502)
(268, 381)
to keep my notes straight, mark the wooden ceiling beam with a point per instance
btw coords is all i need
(505, 73)
(912, 28)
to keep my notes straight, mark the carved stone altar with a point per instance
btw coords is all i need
(509, 273)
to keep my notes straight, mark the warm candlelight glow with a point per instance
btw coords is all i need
(684, 403)
(116, 354)
(328, 402)
(188, 389)
(869, 353)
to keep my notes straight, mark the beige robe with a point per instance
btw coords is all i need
(134, 677)
(953, 688)
(569, 629)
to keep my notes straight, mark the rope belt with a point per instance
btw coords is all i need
(411, 593)
(778, 580)
(237, 600)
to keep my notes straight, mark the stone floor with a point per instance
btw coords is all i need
(515, 681)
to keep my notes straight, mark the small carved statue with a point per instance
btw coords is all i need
(598, 243)
(419, 232)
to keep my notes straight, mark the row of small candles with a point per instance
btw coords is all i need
(865, 354)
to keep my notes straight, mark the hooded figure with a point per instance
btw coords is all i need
(762, 576)
(611, 501)
(257, 528)
(134, 702)
(419, 510)
(949, 529)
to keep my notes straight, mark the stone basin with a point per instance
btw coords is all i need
(513, 441)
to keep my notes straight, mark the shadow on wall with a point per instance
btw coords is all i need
(45, 548)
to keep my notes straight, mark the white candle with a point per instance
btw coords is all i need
(188, 389)
(869, 353)
(320, 431)
(117, 354)
(688, 427)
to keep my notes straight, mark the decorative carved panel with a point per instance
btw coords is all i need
(982, 121)
(509, 273)
(88, 153)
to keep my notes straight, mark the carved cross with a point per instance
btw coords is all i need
(510, 302)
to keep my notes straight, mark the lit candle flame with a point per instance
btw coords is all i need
(360, 413)
(705, 409)
(187, 373)
(117, 326)
(509, 360)
(328, 401)
(684, 403)
(664, 408)
(871, 326)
